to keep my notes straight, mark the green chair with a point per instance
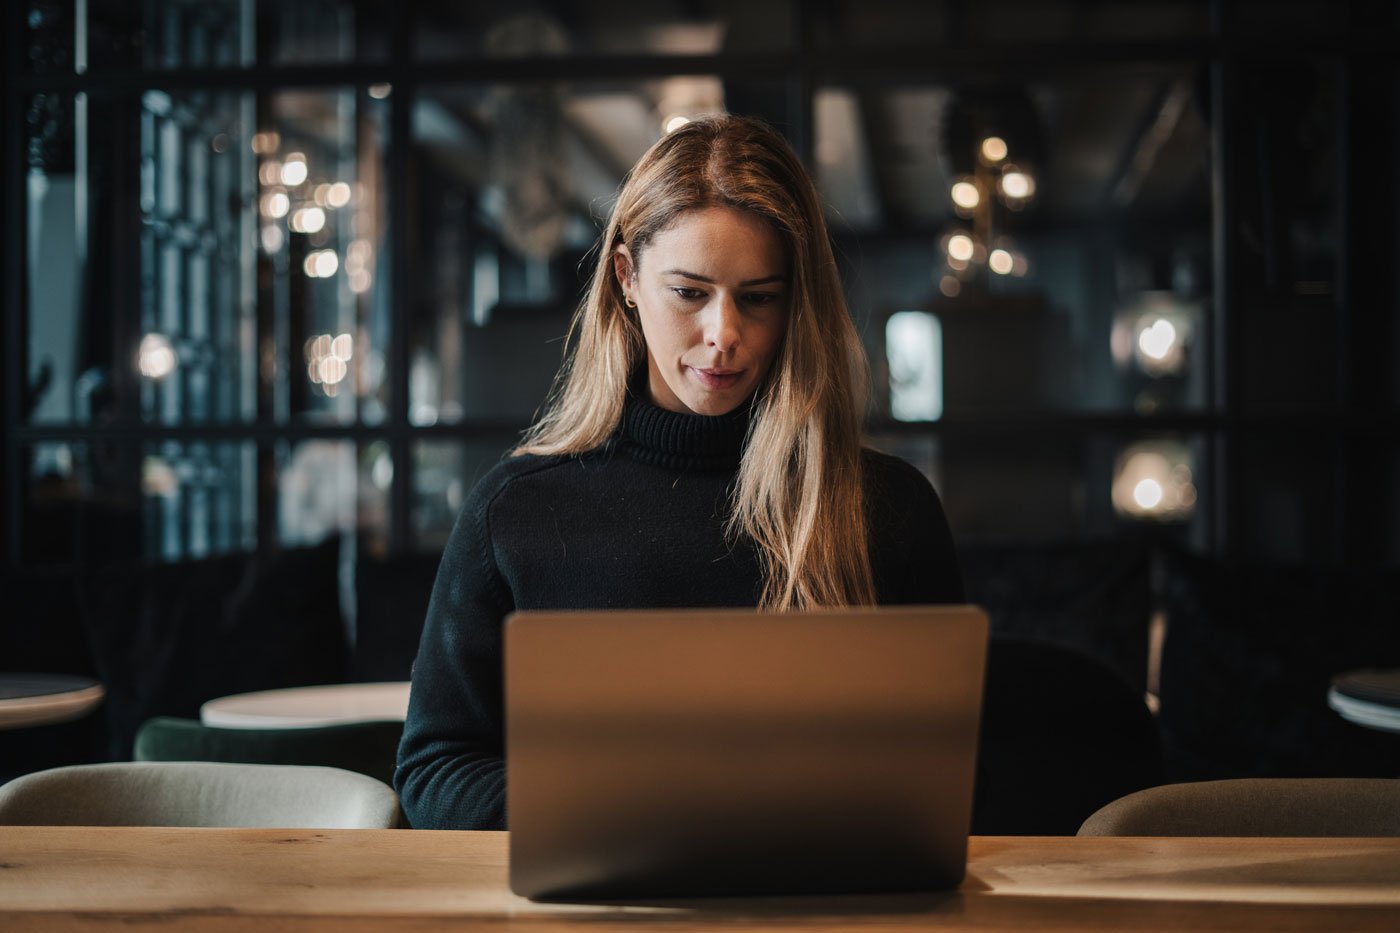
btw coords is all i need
(367, 747)
(198, 793)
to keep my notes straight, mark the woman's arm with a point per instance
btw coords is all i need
(451, 767)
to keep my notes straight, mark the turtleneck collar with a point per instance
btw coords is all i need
(676, 441)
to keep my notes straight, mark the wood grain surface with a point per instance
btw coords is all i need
(93, 879)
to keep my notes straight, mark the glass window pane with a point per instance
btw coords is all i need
(1045, 486)
(503, 29)
(166, 34)
(158, 35)
(83, 503)
(444, 472)
(326, 31)
(167, 501)
(195, 356)
(914, 365)
(323, 266)
(198, 499)
(142, 283)
(376, 476)
(53, 267)
(326, 487)
(48, 39)
(1060, 231)
(58, 486)
(512, 183)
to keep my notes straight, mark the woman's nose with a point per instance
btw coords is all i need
(722, 324)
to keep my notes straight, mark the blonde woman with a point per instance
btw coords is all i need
(701, 448)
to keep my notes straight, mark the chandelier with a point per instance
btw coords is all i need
(976, 249)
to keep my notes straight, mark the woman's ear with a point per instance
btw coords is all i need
(622, 268)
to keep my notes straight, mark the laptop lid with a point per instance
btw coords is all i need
(732, 752)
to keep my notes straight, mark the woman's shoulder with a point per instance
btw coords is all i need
(888, 473)
(897, 492)
(514, 471)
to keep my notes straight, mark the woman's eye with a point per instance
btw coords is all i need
(687, 294)
(762, 299)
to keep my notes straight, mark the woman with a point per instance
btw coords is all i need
(701, 448)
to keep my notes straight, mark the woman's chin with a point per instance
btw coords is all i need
(696, 399)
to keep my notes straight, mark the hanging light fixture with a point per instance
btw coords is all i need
(966, 249)
(1016, 185)
(965, 195)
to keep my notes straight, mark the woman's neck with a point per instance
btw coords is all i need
(682, 441)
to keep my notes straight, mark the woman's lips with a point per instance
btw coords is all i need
(717, 378)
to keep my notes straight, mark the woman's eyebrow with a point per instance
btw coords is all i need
(709, 281)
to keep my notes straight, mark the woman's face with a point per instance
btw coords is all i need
(712, 296)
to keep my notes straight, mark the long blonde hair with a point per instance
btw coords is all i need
(798, 493)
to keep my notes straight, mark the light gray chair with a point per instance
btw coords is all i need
(189, 793)
(1255, 807)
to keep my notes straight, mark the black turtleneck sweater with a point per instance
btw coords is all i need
(637, 523)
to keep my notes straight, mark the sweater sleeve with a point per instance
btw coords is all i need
(451, 766)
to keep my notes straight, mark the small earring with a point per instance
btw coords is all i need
(627, 299)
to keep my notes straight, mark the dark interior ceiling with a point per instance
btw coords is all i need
(1105, 140)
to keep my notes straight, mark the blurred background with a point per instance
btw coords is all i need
(283, 279)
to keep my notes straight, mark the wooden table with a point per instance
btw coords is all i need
(300, 707)
(94, 879)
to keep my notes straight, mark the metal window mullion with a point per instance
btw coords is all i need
(264, 383)
(184, 287)
(16, 342)
(1222, 375)
(944, 62)
(402, 284)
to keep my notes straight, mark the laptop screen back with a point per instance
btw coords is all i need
(729, 752)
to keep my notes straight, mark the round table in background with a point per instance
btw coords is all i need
(295, 707)
(1369, 698)
(28, 699)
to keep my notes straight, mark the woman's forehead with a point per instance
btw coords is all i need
(743, 244)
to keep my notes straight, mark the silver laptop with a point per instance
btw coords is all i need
(730, 752)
